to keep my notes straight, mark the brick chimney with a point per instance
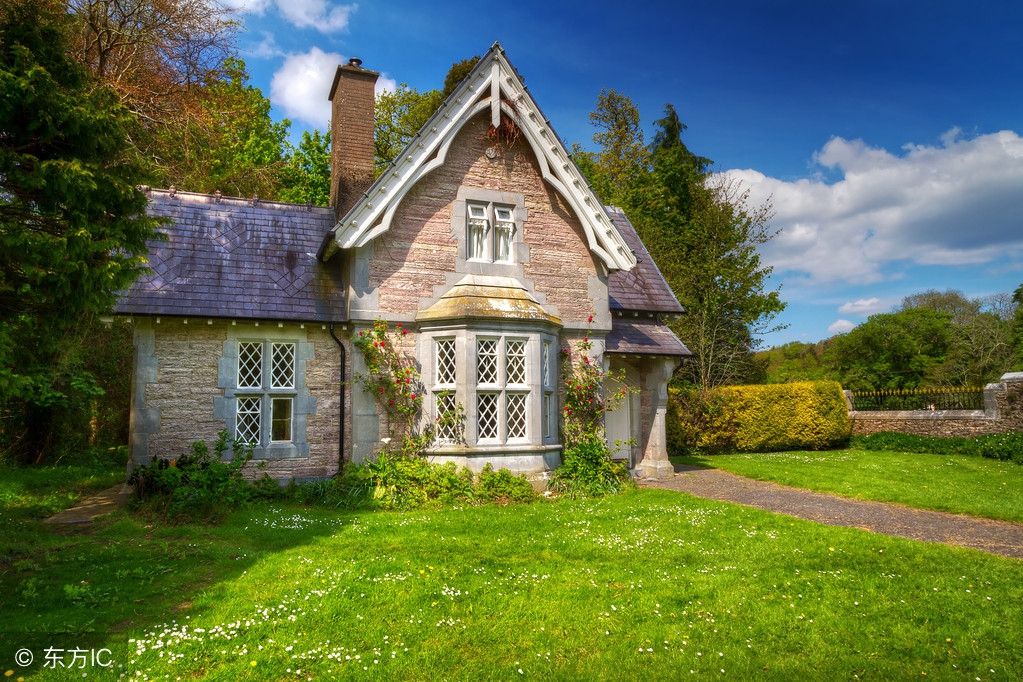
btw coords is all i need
(351, 135)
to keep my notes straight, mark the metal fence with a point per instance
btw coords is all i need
(920, 399)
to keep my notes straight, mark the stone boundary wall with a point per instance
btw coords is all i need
(1003, 412)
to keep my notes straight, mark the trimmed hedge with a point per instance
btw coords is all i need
(807, 415)
(1007, 447)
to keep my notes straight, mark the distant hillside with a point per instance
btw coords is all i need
(796, 361)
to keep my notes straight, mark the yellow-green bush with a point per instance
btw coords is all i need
(808, 415)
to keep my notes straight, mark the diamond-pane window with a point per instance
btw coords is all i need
(248, 420)
(445, 406)
(516, 415)
(282, 370)
(477, 230)
(516, 362)
(486, 415)
(548, 375)
(486, 361)
(250, 365)
(446, 362)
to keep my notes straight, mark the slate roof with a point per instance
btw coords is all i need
(643, 336)
(643, 288)
(227, 258)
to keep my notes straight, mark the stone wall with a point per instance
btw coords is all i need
(1003, 412)
(420, 250)
(176, 392)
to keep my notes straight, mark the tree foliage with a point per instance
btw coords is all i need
(230, 144)
(400, 114)
(73, 228)
(701, 231)
(308, 172)
(1017, 327)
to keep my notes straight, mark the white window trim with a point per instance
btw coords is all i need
(497, 218)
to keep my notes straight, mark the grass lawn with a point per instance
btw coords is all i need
(960, 484)
(653, 584)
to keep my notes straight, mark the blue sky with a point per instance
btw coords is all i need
(888, 135)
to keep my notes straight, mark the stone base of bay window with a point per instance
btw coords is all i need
(524, 459)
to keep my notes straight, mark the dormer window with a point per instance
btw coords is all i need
(489, 232)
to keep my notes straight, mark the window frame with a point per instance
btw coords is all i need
(272, 388)
(495, 248)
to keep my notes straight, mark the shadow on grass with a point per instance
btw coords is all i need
(92, 587)
(686, 463)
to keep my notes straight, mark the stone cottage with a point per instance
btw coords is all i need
(483, 239)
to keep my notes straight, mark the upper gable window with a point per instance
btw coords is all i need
(490, 230)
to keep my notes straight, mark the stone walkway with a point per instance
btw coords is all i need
(97, 505)
(996, 537)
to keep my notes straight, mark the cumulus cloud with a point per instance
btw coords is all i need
(318, 14)
(863, 307)
(840, 327)
(385, 84)
(954, 204)
(300, 87)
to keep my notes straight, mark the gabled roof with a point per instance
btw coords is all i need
(643, 288)
(492, 86)
(229, 257)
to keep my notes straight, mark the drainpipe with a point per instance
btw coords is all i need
(341, 406)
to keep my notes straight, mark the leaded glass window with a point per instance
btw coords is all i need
(269, 368)
(486, 361)
(516, 415)
(486, 416)
(446, 362)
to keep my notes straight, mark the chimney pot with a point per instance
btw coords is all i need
(356, 62)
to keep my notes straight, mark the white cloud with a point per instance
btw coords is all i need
(864, 307)
(318, 14)
(840, 327)
(955, 204)
(301, 86)
(385, 84)
(267, 48)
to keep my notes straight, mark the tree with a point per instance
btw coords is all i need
(1017, 327)
(308, 172)
(456, 74)
(980, 343)
(231, 144)
(616, 168)
(951, 301)
(891, 351)
(400, 114)
(73, 227)
(153, 53)
(701, 232)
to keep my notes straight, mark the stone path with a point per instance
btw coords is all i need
(996, 537)
(97, 505)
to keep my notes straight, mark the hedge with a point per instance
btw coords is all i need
(808, 415)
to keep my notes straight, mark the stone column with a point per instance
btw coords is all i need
(655, 462)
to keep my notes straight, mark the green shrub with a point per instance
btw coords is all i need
(809, 415)
(401, 483)
(1001, 446)
(196, 487)
(587, 469)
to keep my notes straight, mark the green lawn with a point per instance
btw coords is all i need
(652, 584)
(952, 483)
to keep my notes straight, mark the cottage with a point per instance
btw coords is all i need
(485, 242)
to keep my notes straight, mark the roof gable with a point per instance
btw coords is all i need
(494, 86)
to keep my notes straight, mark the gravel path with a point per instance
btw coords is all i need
(996, 537)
